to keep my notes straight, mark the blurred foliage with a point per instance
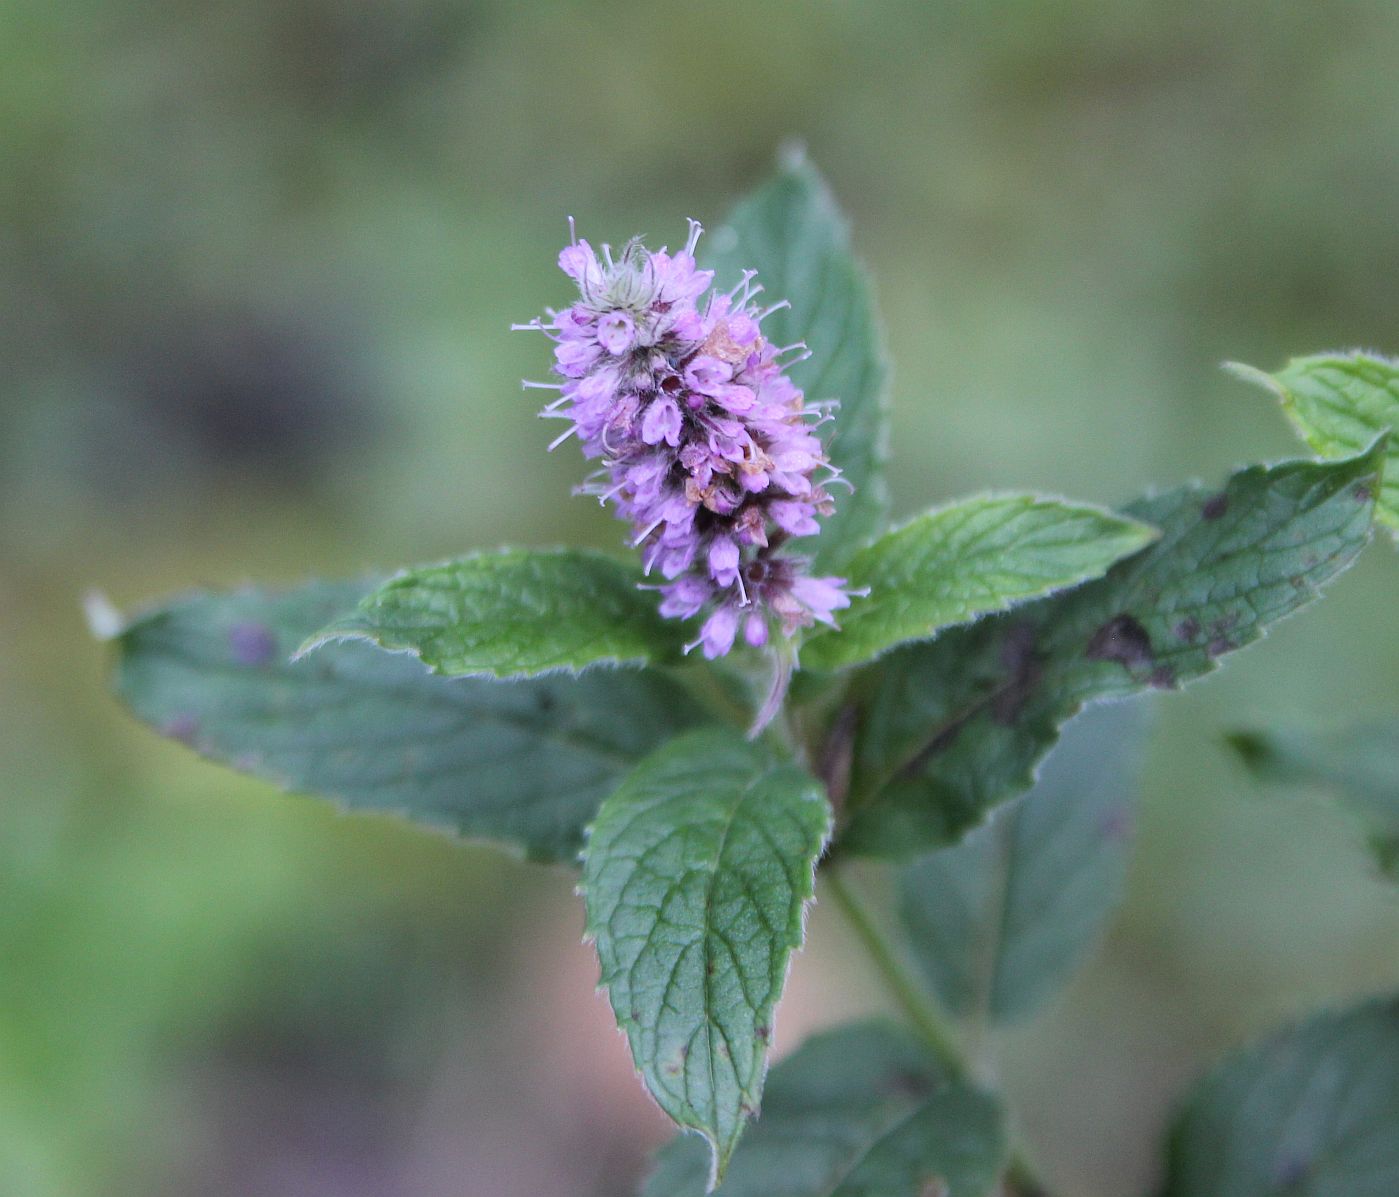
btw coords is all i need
(257, 267)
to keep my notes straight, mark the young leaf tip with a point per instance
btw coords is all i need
(792, 156)
(1246, 373)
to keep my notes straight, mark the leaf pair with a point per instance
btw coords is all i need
(521, 612)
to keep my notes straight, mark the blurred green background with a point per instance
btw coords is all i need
(257, 263)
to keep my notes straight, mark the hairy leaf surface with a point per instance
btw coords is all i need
(1359, 764)
(1310, 1112)
(856, 1112)
(965, 560)
(950, 728)
(1340, 402)
(523, 763)
(1001, 920)
(513, 613)
(793, 234)
(695, 876)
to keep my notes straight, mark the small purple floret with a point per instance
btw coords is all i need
(703, 443)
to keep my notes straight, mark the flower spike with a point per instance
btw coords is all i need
(706, 447)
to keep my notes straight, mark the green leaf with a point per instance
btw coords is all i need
(965, 560)
(793, 234)
(1001, 920)
(857, 1112)
(1340, 402)
(1311, 1112)
(695, 875)
(523, 763)
(945, 730)
(1360, 764)
(513, 613)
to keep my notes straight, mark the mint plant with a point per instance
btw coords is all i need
(775, 682)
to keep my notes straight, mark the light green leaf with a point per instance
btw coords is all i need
(856, 1112)
(1340, 402)
(946, 730)
(1000, 921)
(513, 613)
(1359, 764)
(793, 234)
(965, 560)
(522, 763)
(1311, 1112)
(695, 875)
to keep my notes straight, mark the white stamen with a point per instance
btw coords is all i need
(607, 494)
(559, 440)
(645, 532)
(748, 288)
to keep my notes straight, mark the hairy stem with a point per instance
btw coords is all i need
(920, 1011)
(925, 1017)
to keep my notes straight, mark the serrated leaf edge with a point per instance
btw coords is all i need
(343, 630)
(1314, 592)
(1127, 523)
(720, 1154)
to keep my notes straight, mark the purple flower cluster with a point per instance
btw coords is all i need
(704, 444)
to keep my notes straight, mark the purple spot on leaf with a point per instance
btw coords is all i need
(1124, 640)
(1163, 677)
(1022, 660)
(183, 727)
(1290, 1170)
(1214, 508)
(1117, 824)
(1187, 629)
(251, 644)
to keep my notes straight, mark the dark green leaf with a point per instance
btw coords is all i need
(1359, 764)
(1000, 920)
(856, 1112)
(523, 763)
(1340, 402)
(513, 613)
(1312, 1112)
(793, 234)
(965, 560)
(948, 729)
(695, 875)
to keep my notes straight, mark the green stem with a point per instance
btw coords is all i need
(926, 1018)
(917, 1007)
